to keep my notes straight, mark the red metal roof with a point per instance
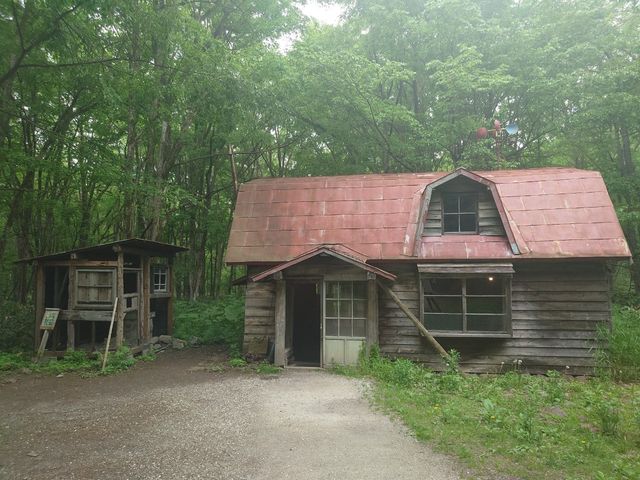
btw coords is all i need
(551, 213)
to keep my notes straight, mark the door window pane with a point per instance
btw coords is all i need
(332, 327)
(332, 308)
(332, 289)
(346, 290)
(359, 328)
(345, 309)
(359, 308)
(360, 290)
(345, 327)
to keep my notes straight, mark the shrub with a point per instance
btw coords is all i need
(121, 359)
(619, 356)
(237, 362)
(218, 321)
(16, 326)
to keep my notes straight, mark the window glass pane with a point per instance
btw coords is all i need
(360, 308)
(450, 204)
(332, 327)
(359, 328)
(360, 290)
(484, 304)
(468, 222)
(443, 321)
(332, 308)
(332, 289)
(345, 290)
(485, 286)
(451, 223)
(345, 308)
(442, 286)
(345, 327)
(443, 304)
(485, 323)
(468, 204)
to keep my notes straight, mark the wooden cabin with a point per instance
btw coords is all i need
(511, 268)
(84, 283)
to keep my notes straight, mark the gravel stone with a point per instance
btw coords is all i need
(169, 419)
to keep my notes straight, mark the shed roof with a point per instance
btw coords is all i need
(154, 248)
(551, 213)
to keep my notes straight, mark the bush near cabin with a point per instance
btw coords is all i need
(219, 321)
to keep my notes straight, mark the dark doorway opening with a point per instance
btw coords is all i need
(306, 324)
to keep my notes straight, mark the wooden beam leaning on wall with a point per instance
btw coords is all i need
(421, 328)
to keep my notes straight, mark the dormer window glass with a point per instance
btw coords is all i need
(460, 213)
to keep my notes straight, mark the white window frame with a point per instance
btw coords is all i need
(162, 271)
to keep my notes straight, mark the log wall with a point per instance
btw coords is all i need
(556, 310)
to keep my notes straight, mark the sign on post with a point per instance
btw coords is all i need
(49, 318)
(48, 323)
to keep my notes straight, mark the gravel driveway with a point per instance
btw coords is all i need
(172, 419)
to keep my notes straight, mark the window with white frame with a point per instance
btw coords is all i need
(346, 309)
(460, 213)
(478, 304)
(159, 276)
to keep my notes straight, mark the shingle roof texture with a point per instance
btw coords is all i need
(552, 212)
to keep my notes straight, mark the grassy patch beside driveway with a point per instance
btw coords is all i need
(530, 427)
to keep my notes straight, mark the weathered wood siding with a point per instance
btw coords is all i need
(259, 314)
(489, 222)
(556, 310)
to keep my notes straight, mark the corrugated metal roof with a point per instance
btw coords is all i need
(153, 247)
(551, 212)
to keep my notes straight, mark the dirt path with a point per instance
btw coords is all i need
(170, 419)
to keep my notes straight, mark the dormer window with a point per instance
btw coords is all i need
(460, 213)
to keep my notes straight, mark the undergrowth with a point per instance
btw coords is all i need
(526, 426)
(75, 361)
(619, 358)
(219, 321)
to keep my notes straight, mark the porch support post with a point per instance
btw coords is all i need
(280, 320)
(372, 311)
(71, 304)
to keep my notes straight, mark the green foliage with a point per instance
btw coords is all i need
(237, 362)
(619, 357)
(529, 427)
(265, 368)
(16, 326)
(118, 361)
(213, 322)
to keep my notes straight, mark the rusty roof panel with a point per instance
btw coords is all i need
(552, 213)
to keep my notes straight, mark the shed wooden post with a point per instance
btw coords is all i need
(372, 311)
(172, 292)
(145, 305)
(71, 330)
(120, 295)
(280, 314)
(39, 302)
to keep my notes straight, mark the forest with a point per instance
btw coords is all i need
(140, 118)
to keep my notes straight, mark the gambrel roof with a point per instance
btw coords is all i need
(546, 213)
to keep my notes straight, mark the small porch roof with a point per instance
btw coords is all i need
(338, 251)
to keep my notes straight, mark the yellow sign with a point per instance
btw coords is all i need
(49, 318)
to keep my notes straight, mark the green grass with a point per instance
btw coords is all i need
(72, 362)
(621, 359)
(265, 368)
(530, 427)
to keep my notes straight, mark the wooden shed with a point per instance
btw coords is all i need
(84, 283)
(510, 268)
